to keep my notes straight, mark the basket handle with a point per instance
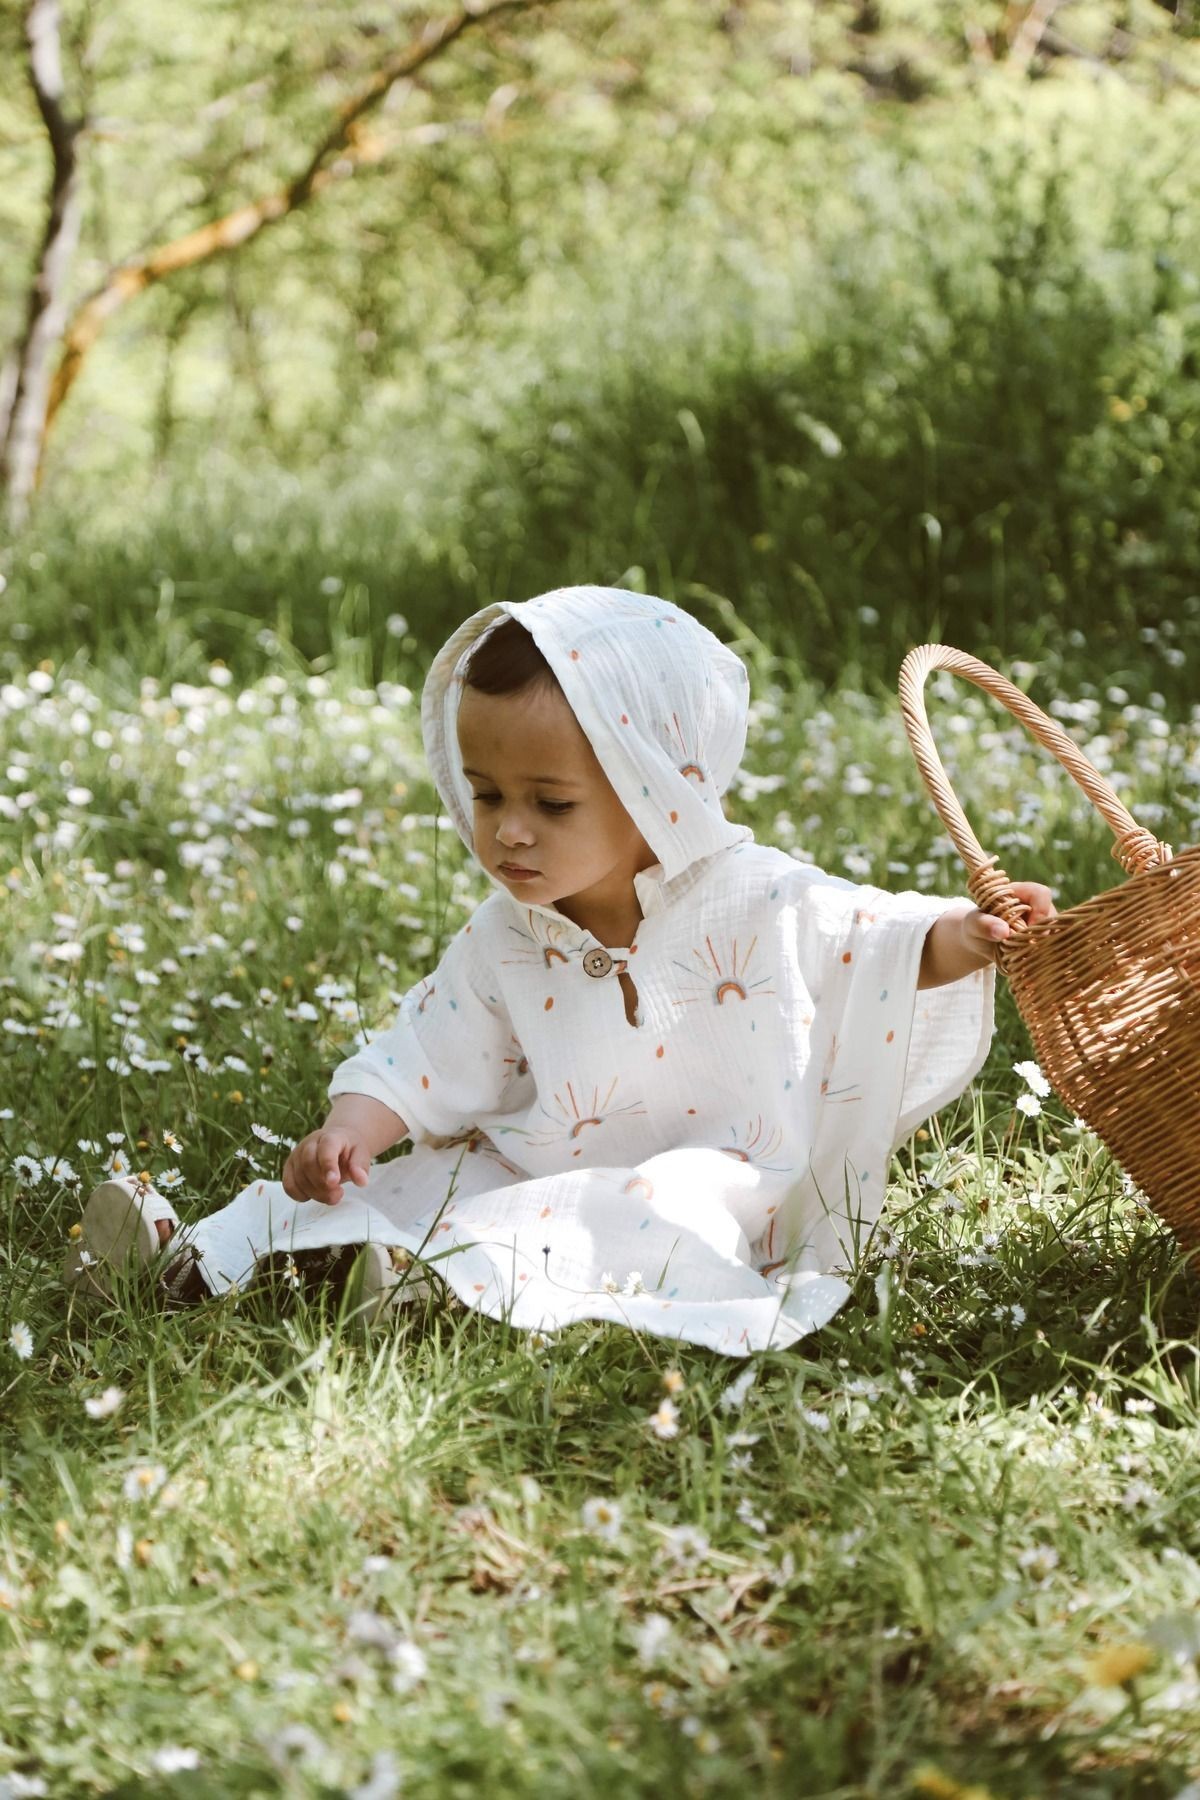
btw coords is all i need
(1136, 849)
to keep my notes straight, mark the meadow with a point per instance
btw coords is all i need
(946, 1547)
(845, 328)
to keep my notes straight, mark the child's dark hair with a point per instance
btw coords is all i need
(508, 661)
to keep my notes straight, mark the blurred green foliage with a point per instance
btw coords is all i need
(834, 311)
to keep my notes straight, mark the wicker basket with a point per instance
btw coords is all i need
(1109, 989)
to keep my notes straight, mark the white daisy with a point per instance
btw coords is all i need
(1033, 1078)
(651, 1638)
(737, 1390)
(20, 1341)
(410, 1665)
(602, 1518)
(665, 1422)
(103, 1406)
(174, 1757)
(686, 1544)
(143, 1480)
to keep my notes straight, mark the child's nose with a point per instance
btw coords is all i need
(514, 830)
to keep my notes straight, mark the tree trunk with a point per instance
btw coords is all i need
(25, 393)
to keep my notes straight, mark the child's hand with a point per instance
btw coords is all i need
(983, 933)
(316, 1167)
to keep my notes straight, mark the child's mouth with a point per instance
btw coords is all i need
(517, 874)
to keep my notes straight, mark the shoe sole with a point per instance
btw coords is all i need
(117, 1230)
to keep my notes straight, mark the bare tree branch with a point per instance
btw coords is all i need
(1030, 32)
(345, 147)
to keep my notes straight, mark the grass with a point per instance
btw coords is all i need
(946, 1546)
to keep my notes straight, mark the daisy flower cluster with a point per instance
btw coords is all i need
(861, 755)
(147, 974)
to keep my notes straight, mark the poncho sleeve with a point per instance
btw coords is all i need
(447, 1058)
(894, 1050)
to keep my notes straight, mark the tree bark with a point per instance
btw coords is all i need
(1023, 45)
(345, 147)
(25, 389)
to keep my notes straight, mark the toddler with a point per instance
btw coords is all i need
(659, 1075)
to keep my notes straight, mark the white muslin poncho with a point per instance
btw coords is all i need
(704, 1172)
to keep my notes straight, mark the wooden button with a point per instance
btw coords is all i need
(597, 962)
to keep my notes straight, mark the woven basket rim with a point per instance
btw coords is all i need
(1041, 926)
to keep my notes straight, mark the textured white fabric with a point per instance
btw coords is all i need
(727, 1151)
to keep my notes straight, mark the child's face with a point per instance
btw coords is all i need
(544, 804)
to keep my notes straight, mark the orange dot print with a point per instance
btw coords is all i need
(691, 1112)
(890, 1036)
(659, 1051)
(674, 818)
(845, 956)
(549, 1004)
(574, 656)
(624, 718)
(424, 1081)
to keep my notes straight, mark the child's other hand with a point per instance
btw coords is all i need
(983, 932)
(321, 1161)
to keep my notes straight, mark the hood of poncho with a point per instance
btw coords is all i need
(663, 703)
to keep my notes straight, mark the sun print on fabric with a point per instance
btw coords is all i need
(717, 977)
(571, 1116)
(756, 1145)
(539, 942)
(692, 765)
(837, 1096)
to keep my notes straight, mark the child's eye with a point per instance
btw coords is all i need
(551, 806)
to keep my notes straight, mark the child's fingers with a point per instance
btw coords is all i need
(353, 1164)
(329, 1176)
(1037, 897)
